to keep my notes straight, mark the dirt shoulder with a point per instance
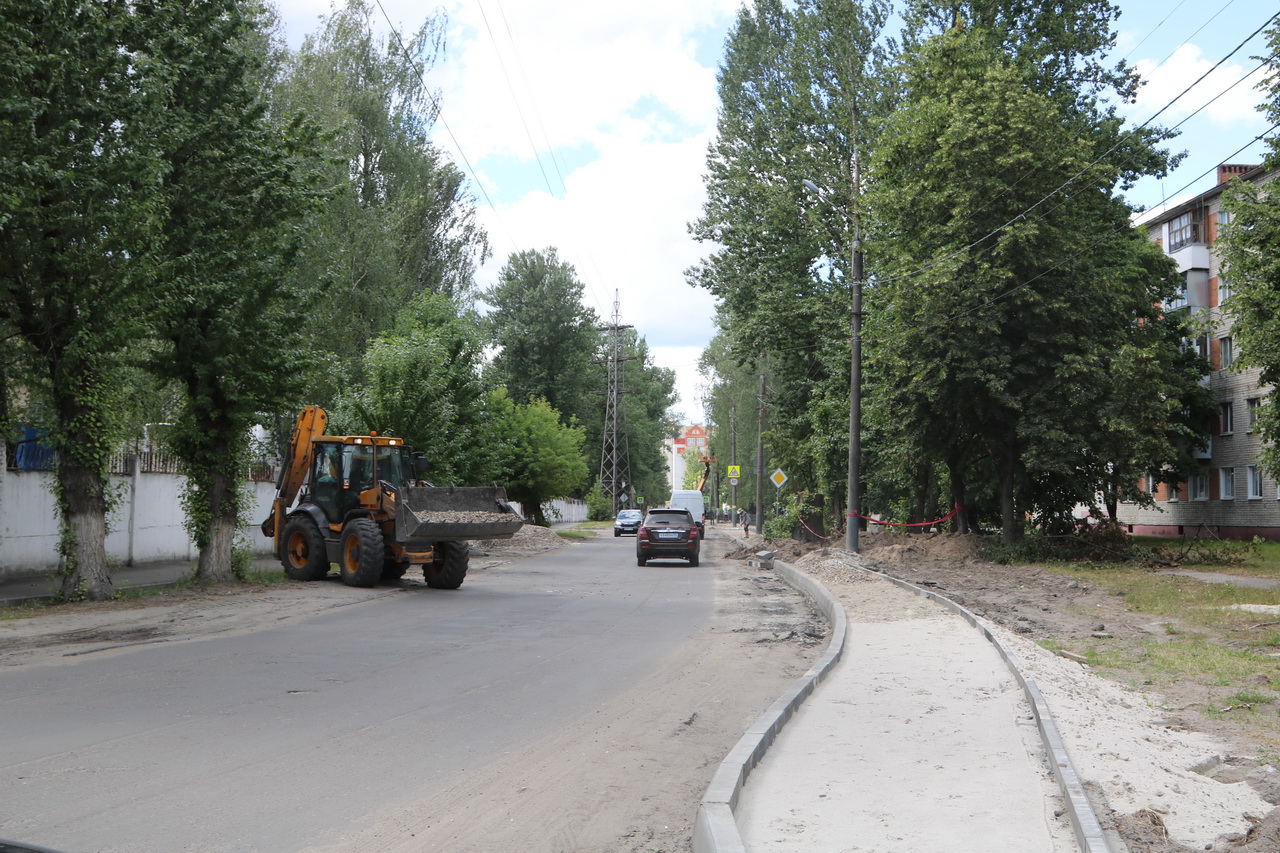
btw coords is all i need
(62, 633)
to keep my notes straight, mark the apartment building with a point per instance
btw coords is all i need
(1232, 498)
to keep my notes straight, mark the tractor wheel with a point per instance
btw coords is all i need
(449, 567)
(303, 552)
(392, 571)
(361, 553)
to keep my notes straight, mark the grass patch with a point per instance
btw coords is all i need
(576, 533)
(266, 577)
(137, 593)
(1198, 657)
(26, 610)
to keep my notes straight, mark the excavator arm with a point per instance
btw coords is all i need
(293, 472)
(706, 472)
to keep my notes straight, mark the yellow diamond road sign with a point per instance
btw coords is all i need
(735, 470)
(778, 478)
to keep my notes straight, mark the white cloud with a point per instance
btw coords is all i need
(690, 384)
(1226, 104)
(619, 89)
(624, 83)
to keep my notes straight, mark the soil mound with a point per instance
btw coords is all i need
(937, 546)
(529, 539)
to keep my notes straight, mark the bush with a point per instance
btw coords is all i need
(599, 507)
(1106, 542)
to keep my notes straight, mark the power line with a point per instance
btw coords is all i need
(1023, 214)
(440, 115)
(515, 99)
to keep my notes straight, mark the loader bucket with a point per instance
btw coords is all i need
(451, 513)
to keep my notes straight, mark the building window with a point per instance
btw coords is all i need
(1224, 290)
(1226, 419)
(1198, 486)
(1255, 409)
(1224, 217)
(1182, 231)
(1227, 352)
(1255, 483)
(1227, 482)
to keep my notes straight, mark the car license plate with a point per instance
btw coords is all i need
(668, 535)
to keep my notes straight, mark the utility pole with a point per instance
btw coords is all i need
(733, 456)
(615, 457)
(760, 454)
(853, 519)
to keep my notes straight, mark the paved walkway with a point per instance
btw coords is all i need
(918, 739)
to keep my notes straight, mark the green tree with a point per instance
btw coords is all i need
(651, 392)
(399, 221)
(423, 385)
(1008, 316)
(539, 457)
(547, 339)
(231, 326)
(81, 161)
(799, 90)
(1251, 260)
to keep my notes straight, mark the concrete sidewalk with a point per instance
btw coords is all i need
(912, 732)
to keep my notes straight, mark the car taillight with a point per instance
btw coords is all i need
(642, 531)
(693, 532)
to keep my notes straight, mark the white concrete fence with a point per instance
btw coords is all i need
(146, 523)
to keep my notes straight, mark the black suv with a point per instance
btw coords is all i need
(667, 532)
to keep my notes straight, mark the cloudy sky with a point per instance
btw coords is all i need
(584, 126)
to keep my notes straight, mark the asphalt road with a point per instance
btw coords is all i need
(282, 738)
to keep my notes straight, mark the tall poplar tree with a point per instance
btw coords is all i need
(799, 89)
(399, 220)
(230, 321)
(80, 162)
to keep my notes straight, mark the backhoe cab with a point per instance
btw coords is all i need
(357, 501)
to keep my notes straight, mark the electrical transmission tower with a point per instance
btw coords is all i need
(615, 455)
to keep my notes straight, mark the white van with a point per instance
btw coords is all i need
(690, 499)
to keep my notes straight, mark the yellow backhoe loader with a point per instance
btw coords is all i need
(357, 501)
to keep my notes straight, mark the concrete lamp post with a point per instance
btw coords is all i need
(855, 374)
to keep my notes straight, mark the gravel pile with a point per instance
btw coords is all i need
(453, 516)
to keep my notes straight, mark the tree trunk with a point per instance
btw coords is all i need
(1010, 526)
(1110, 500)
(962, 522)
(85, 503)
(813, 529)
(215, 557)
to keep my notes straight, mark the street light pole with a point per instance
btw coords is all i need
(853, 519)
(853, 514)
